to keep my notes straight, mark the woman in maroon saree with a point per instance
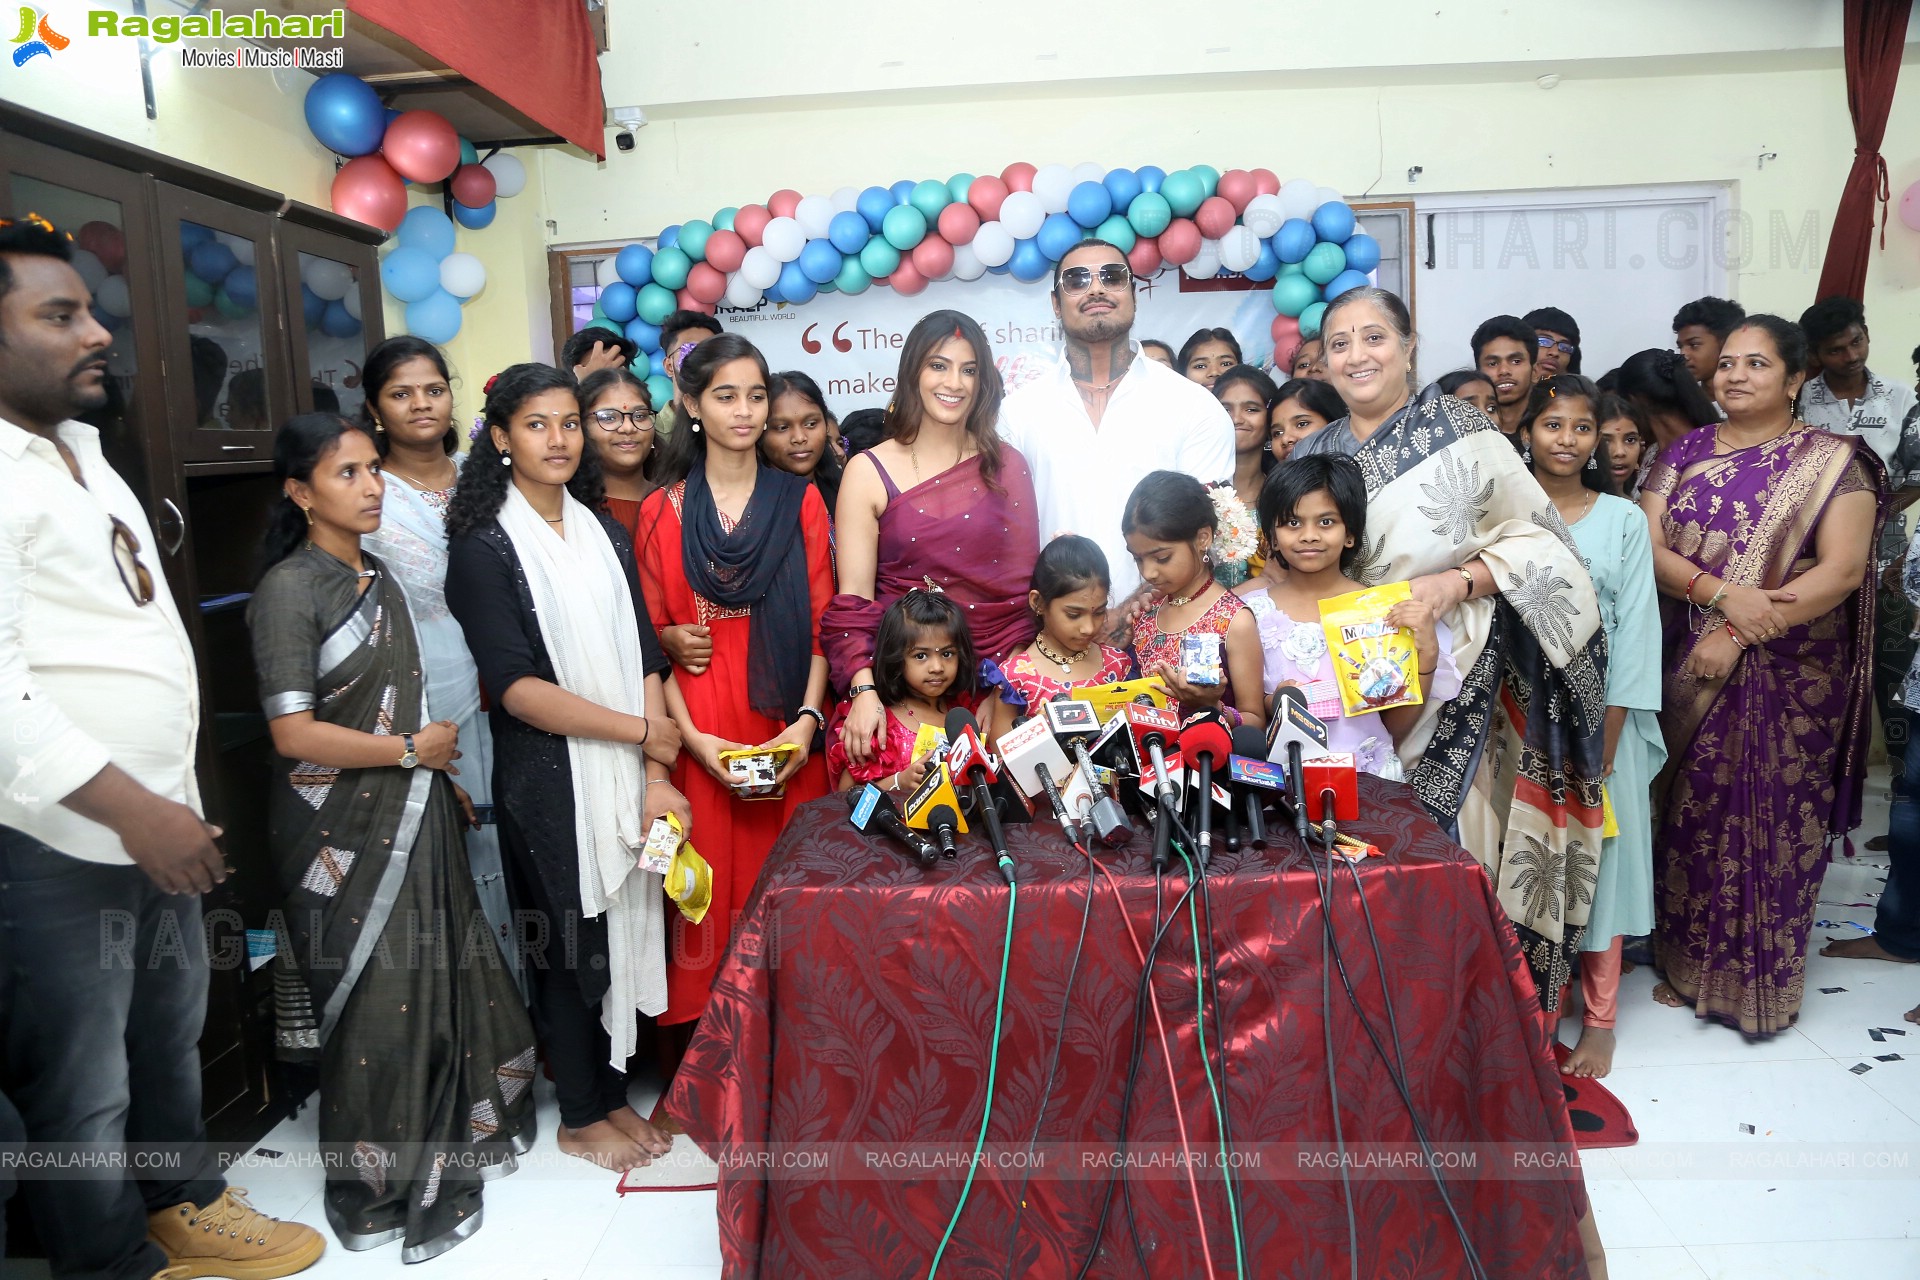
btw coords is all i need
(940, 504)
(1762, 529)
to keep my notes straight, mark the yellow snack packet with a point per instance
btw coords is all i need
(1375, 663)
(689, 882)
(1609, 821)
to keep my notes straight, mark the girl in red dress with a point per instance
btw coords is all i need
(1069, 597)
(923, 667)
(731, 544)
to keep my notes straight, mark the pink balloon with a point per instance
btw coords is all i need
(782, 202)
(1266, 182)
(1180, 242)
(985, 195)
(1214, 217)
(1019, 176)
(1238, 186)
(932, 257)
(688, 302)
(105, 242)
(725, 249)
(957, 223)
(368, 190)
(1144, 257)
(421, 145)
(750, 223)
(1910, 207)
(1285, 330)
(907, 279)
(473, 185)
(706, 282)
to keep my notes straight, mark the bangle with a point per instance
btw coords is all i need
(1429, 671)
(814, 712)
(858, 689)
(1697, 575)
(1735, 636)
(654, 782)
(645, 732)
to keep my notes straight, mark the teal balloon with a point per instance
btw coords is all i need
(659, 389)
(1289, 269)
(1310, 320)
(693, 239)
(1324, 263)
(467, 154)
(1209, 179)
(958, 185)
(435, 317)
(1149, 214)
(1118, 232)
(879, 259)
(671, 264)
(599, 316)
(200, 293)
(904, 227)
(930, 198)
(723, 220)
(655, 303)
(1294, 294)
(829, 286)
(853, 277)
(1184, 191)
(230, 306)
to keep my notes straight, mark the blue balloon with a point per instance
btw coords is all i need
(428, 229)
(1059, 233)
(1333, 221)
(1029, 262)
(192, 233)
(411, 275)
(1294, 240)
(634, 264)
(1265, 265)
(473, 219)
(1122, 186)
(617, 301)
(345, 114)
(211, 261)
(668, 237)
(1151, 176)
(657, 364)
(643, 335)
(1005, 268)
(337, 322)
(1363, 251)
(873, 205)
(819, 261)
(312, 306)
(772, 292)
(1089, 204)
(435, 317)
(394, 113)
(848, 232)
(243, 287)
(794, 285)
(902, 189)
(1348, 279)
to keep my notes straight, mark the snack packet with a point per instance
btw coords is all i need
(1374, 662)
(1200, 658)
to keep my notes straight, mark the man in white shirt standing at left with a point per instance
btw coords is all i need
(103, 852)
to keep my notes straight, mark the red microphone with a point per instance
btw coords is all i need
(972, 766)
(1204, 742)
(1332, 788)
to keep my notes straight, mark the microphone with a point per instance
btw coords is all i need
(1255, 776)
(968, 759)
(1073, 723)
(1203, 744)
(1034, 759)
(1333, 788)
(935, 806)
(1293, 729)
(1152, 731)
(872, 810)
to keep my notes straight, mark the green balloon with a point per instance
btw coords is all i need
(671, 264)
(1209, 179)
(828, 287)
(879, 259)
(1149, 214)
(598, 315)
(904, 227)
(659, 389)
(958, 185)
(929, 197)
(467, 154)
(1289, 269)
(200, 293)
(1294, 294)
(1184, 191)
(693, 240)
(228, 307)
(1324, 261)
(854, 277)
(723, 220)
(1118, 232)
(655, 303)
(1310, 320)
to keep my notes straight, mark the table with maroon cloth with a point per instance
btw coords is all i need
(854, 1016)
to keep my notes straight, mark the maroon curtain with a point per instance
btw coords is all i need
(537, 55)
(1875, 32)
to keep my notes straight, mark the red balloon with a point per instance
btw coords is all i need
(196, 314)
(751, 223)
(368, 190)
(688, 302)
(957, 223)
(1019, 176)
(1266, 182)
(984, 197)
(104, 241)
(1144, 257)
(783, 202)
(932, 257)
(421, 145)
(1238, 186)
(725, 249)
(907, 279)
(1214, 217)
(706, 282)
(1180, 242)
(473, 185)
(1285, 330)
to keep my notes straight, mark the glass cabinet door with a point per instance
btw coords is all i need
(336, 321)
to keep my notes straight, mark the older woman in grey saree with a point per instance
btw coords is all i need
(388, 976)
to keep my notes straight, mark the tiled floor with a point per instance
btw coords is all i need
(1675, 1207)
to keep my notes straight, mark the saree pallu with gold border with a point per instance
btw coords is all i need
(1511, 766)
(1765, 766)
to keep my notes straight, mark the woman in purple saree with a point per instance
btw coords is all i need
(1762, 530)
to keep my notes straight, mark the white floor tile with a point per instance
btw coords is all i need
(1652, 1035)
(1650, 1264)
(1786, 1208)
(1850, 1259)
(672, 1229)
(1815, 1101)
(1624, 1215)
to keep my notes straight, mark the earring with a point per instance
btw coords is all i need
(695, 424)
(379, 427)
(506, 459)
(308, 512)
(1526, 453)
(1593, 462)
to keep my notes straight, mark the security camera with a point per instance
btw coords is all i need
(629, 120)
(624, 141)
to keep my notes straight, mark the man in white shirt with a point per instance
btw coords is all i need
(1095, 424)
(103, 852)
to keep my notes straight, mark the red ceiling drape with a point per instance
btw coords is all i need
(537, 55)
(1875, 33)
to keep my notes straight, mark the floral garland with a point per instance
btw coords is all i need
(1237, 533)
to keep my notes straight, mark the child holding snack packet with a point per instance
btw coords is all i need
(1314, 512)
(923, 666)
(1069, 596)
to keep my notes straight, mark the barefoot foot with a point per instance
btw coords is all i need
(1867, 948)
(1663, 993)
(1913, 1014)
(1592, 1058)
(1628, 966)
(603, 1144)
(650, 1138)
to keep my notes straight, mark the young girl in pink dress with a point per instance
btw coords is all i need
(1069, 597)
(923, 667)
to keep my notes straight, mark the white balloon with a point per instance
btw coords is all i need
(784, 238)
(329, 279)
(814, 215)
(966, 262)
(1239, 249)
(352, 303)
(1326, 195)
(111, 297)
(846, 200)
(1206, 263)
(462, 274)
(509, 175)
(1053, 183)
(91, 269)
(1088, 171)
(741, 295)
(759, 268)
(992, 244)
(1021, 213)
(242, 249)
(1299, 198)
(1263, 216)
(604, 273)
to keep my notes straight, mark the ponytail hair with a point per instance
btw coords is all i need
(302, 443)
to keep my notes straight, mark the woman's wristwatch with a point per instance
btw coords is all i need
(854, 691)
(409, 757)
(1466, 576)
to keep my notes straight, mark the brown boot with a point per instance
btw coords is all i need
(233, 1239)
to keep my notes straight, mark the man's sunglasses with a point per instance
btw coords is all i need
(1080, 279)
(126, 558)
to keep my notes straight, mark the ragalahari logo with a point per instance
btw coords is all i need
(36, 37)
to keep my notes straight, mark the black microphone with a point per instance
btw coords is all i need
(973, 767)
(1252, 775)
(943, 822)
(1203, 744)
(872, 810)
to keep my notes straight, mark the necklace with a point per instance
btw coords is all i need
(555, 520)
(1066, 661)
(1733, 446)
(1177, 601)
(421, 484)
(913, 456)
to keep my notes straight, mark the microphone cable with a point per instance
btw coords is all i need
(1205, 978)
(1329, 946)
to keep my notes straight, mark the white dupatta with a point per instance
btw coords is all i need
(584, 605)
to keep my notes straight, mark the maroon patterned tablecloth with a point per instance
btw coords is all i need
(839, 1073)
